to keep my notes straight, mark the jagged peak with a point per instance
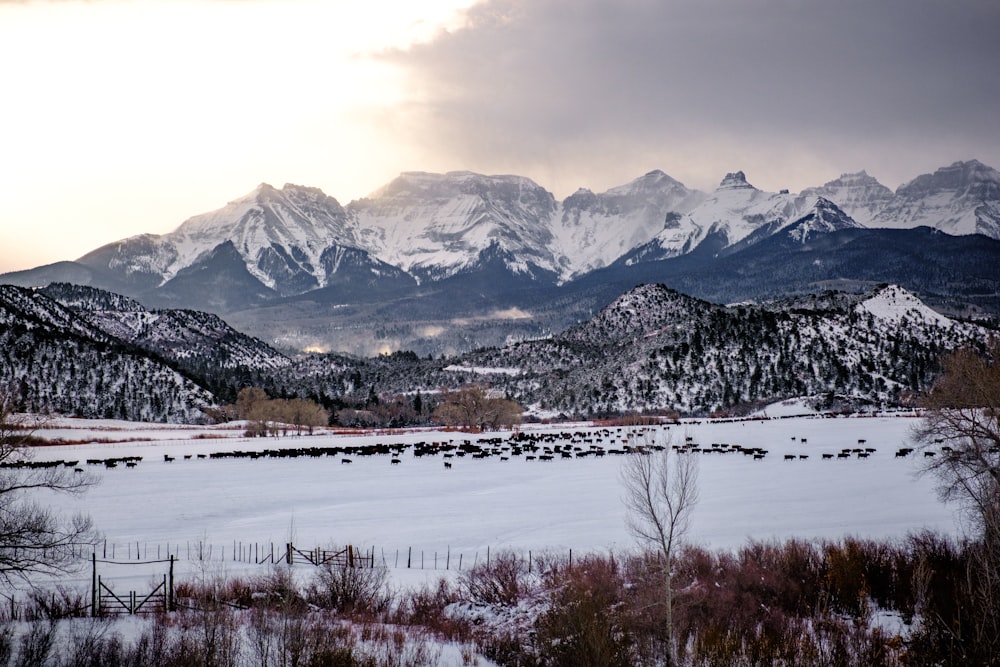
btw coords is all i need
(448, 184)
(956, 176)
(734, 181)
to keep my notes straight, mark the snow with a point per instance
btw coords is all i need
(440, 515)
(894, 304)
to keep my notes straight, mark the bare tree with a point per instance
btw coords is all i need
(962, 425)
(33, 538)
(661, 489)
(962, 429)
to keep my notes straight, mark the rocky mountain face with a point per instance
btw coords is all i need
(441, 263)
(963, 198)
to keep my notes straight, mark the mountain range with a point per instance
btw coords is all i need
(445, 263)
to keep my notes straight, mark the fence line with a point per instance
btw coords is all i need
(271, 553)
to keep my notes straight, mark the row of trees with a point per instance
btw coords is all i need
(472, 407)
(274, 416)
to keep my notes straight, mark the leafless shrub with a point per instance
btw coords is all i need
(588, 621)
(60, 602)
(350, 589)
(36, 645)
(504, 580)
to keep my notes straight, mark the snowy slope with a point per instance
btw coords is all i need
(280, 234)
(593, 230)
(895, 306)
(188, 335)
(434, 225)
(963, 198)
(823, 218)
(729, 215)
(861, 196)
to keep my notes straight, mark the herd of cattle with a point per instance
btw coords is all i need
(545, 446)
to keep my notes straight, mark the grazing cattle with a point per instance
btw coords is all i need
(827, 456)
(929, 454)
(167, 458)
(343, 461)
(789, 457)
(394, 461)
(447, 464)
(803, 457)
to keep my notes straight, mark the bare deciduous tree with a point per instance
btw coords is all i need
(33, 538)
(661, 489)
(962, 428)
(963, 423)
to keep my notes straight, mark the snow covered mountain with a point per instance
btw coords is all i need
(731, 214)
(860, 195)
(289, 241)
(963, 198)
(435, 225)
(80, 350)
(193, 339)
(593, 230)
(487, 259)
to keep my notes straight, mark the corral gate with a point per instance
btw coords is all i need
(105, 602)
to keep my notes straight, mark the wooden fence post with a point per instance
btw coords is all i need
(93, 581)
(172, 605)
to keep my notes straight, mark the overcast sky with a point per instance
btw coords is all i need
(120, 117)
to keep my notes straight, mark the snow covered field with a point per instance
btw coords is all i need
(535, 505)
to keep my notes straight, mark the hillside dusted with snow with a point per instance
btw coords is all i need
(82, 351)
(655, 349)
(57, 361)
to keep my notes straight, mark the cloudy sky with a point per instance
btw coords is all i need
(120, 117)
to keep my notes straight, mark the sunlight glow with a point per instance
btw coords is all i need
(129, 116)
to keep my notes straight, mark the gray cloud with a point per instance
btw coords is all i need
(583, 92)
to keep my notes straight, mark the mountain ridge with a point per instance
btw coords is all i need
(449, 252)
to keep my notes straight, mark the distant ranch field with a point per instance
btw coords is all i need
(179, 494)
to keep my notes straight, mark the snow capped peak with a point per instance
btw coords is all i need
(963, 198)
(971, 177)
(824, 217)
(437, 224)
(895, 305)
(735, 180)
(861, 196)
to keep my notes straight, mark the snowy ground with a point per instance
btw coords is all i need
(420, 508)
